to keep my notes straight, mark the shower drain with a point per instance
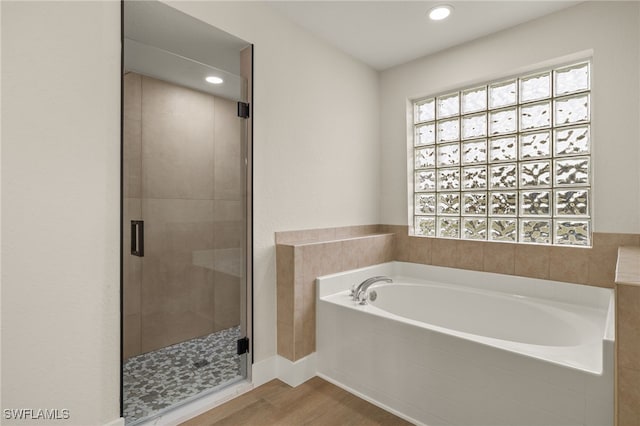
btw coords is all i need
(201, 363)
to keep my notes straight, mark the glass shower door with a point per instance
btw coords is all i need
(185, 221)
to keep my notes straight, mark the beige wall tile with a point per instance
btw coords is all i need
(628, 265)
(281, 237)
(174, 229)
(132, 101)
(285, 283)
(415, 249)
(228, 161)
(177, 141)
(408, 248)
(226, 301)
(132, 282)
(628, 326)
(227, 210)
(602, 268)
(227, 234)
(308, 331)
(499, 258)
(173, 288)
(191, 148)
(201, 290)
(132, 142)
(532, 261)
(166, 327)
(178, 225)
(344, 232)
(132, 157)
(604, 254)
(368, 250)
(362, 230)
(326, 234)
(470, 255)
(131, 265)
(358, 252)
(399, 231)
(321, 259)
(350, 254)
(317, 259)
(298, 328)
(309, 235)
(569, 264)
(444, 252)
(388, 247)
(402, 250)
(614, 239)
(285, 340)
(313, 260)
(602, 265)
(628, 397)
(131, 336)
(298, 237)
(306, 338)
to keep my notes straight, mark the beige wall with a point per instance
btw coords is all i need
(60, 202)
(183, 177)
(316, 143)
(316, 118)
(609, 29)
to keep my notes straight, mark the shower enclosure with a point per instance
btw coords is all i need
(185, 221)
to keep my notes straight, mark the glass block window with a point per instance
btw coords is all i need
(506, 161)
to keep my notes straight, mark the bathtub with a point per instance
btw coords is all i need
(443, 346)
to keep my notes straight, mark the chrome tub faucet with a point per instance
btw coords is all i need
(359, 292)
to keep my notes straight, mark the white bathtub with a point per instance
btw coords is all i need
(443, 346)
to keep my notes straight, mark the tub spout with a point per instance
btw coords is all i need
(358, 293)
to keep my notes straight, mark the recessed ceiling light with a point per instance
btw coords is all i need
(441, 12)
(214, 80)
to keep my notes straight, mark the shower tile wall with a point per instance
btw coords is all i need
(132, 265)
(183, 177)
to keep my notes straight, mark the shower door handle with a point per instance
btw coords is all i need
(137, 238)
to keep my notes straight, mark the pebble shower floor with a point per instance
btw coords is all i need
(156, 380)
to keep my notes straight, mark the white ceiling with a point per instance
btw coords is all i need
(383, 34)
(165, 43)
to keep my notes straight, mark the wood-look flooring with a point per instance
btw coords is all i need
(315, 403)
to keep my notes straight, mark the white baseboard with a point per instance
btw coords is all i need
(298, 372)
(292, 373)
(117, 422)
(264, 371)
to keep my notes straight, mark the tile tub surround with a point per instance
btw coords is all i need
(591, 266)
(298, 265)
(628, 336)
(331, 250)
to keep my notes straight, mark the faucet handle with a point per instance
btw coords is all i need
(354, 287)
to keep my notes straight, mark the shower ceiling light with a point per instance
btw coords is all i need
(441, 12)
(214, 80)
